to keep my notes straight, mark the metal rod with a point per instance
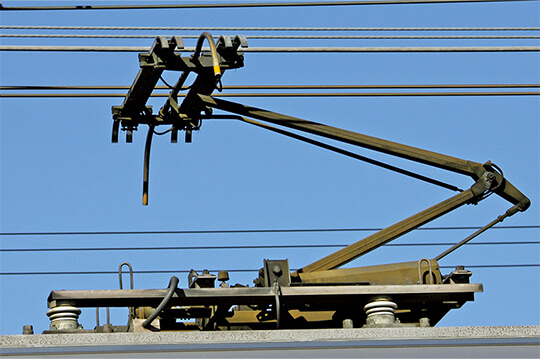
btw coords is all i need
(173, 96)
(474, 235)
(353, 155)
(370, 243)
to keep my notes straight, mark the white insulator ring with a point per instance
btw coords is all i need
(382, 311)
(381, 304)
(64, 310)
(63, 316)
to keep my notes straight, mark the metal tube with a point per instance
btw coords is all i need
(475, 234)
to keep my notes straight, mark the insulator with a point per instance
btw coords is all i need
(64, 317)
(380, 312)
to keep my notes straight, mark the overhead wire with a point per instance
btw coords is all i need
(258, 28)
(288, 37)
(296, 94)
(243, 5)
(498, 49)
(285, 87)
(402, 49)
(250, 247)
(477, 266)
(283, 49)
(238, 231)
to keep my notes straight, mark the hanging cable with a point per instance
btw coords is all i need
(243, 5)
(146, 171)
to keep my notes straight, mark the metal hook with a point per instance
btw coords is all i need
(420, 277)
(130, 274)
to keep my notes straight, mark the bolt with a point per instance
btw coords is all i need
(348, 324)
(28, 329)
(277, 270)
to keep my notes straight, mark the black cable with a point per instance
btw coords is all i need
(237, 231)
(478, 266)
(243, 5)
(173, 285)
(288, 37)
(283, 94)
(286, 87)
(431, 49)
(277, 246)
(221, 28)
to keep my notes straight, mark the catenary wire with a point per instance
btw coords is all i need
(277, 246)
(286, 87)
(478, 266)
(303, 49)
(287, 37)
(311, 94)
(244, 5)
(215, 28)
(237, 231)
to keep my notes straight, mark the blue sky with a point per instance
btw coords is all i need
(60, 173)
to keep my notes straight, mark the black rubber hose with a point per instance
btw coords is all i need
(173, 285)
(146, 172)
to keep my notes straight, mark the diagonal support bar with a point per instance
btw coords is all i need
(474, 169)
(376, 240)
(408, 152)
